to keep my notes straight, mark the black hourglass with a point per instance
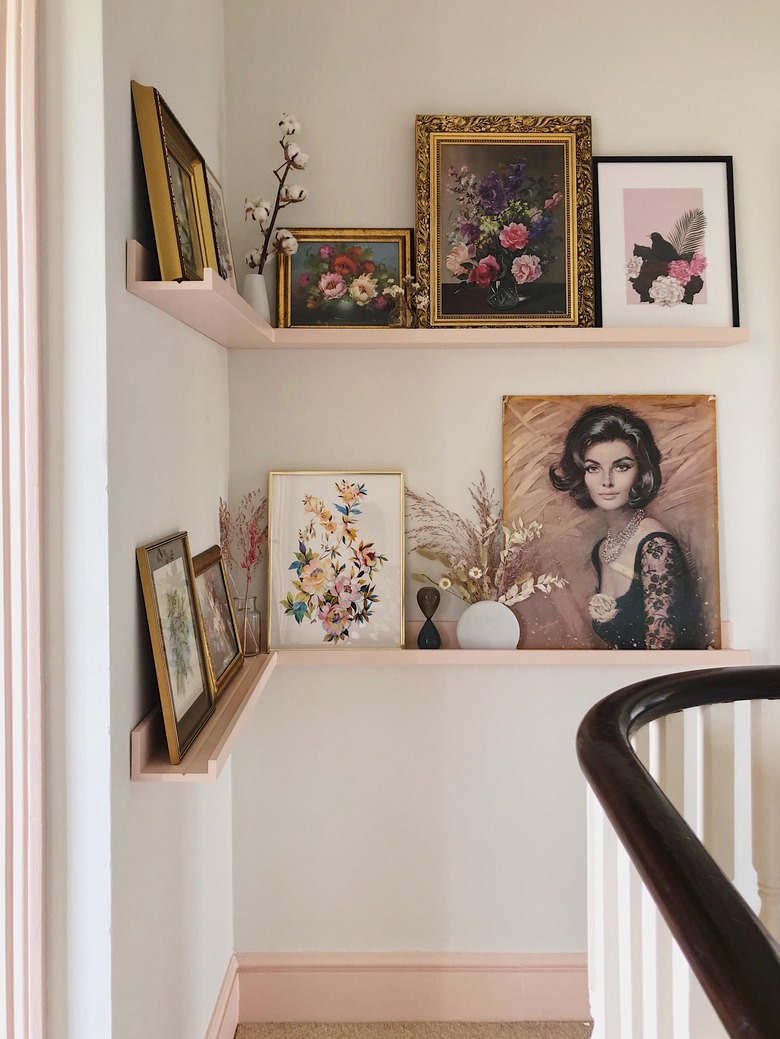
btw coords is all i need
(428, 600)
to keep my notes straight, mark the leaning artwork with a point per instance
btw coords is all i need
(626, 488)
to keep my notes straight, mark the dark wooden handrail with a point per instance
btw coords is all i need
(731, 953)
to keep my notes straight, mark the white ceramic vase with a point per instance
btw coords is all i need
(255, 292)
(488, 625)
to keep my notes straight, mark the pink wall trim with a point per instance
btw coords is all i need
(21, 728)
(225, 1019)
(412, 987)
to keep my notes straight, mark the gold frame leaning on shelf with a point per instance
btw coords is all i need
(178, 644)
(355, 271)
(504, 220)
(220, 628)
(178, 192)
(335, 560)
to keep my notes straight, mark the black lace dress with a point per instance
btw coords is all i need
(660, 608)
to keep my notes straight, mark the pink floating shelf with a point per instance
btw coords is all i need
(212, 747)
(212, 307)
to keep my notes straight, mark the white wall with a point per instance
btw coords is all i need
(394, 810)
(141, 889)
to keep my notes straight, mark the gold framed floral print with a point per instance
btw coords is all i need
(220, 629)
(175, 629)
(505, 220)
(336, 560)
(178, 194)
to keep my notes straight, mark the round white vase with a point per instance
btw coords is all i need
(488, 625)
(255, 292)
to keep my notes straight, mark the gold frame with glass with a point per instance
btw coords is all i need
(336, 560)
(178, 192)
(178, 645)
(220, 627)
(544, 160)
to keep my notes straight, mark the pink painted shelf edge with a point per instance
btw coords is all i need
(212, 747)
(205, 759)
(216, 310)
(451, 655)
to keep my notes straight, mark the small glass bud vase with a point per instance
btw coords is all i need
(248, 623)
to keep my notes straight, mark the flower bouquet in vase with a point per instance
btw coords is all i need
(483, 561)
(244, 540)
(505, 235)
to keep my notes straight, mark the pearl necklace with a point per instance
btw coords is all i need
(612, 547)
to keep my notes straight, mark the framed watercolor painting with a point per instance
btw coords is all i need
(341, 277)
(625, 488)
(178, 194)
(183, 675)
(504, 219)
(227, 269)
(336, 560)
(665, 242)
(220, 628)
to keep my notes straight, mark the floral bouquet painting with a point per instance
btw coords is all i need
(504, 230)
(346, 278)
(671, 269)
(336, 541)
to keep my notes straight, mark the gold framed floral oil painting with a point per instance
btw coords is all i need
(336, 560)
(504, 220)
(342, 277)
(625, 488)
(180, 662)
(220, 629)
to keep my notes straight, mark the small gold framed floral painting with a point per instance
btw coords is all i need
(505, 220)
(343, 277)
(183, 674)
(336, 560)
(220, 630)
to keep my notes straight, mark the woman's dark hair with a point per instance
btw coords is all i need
(599, 425)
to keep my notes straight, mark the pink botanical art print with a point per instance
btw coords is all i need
(664, 231)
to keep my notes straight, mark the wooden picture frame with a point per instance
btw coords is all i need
(335, 560)
(664, 590)
(220, 627)
(178, 194)
(665, 241)
(504, 220)
(175, 629)
(337, 276)
(219, 222)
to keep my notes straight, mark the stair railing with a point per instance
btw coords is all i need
(730, 951)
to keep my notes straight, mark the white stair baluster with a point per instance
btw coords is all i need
(766, 814)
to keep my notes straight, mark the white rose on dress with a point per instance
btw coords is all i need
(602, 607)
(667, 292)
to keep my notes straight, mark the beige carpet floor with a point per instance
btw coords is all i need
(422, 1030)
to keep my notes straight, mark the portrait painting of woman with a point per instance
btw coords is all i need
(626, 490)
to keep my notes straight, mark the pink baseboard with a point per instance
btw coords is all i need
(410, 987)
(225, 1018)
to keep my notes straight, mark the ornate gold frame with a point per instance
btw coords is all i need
(401, 236)
(166, 148)
(202, 562)
(571, 132)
